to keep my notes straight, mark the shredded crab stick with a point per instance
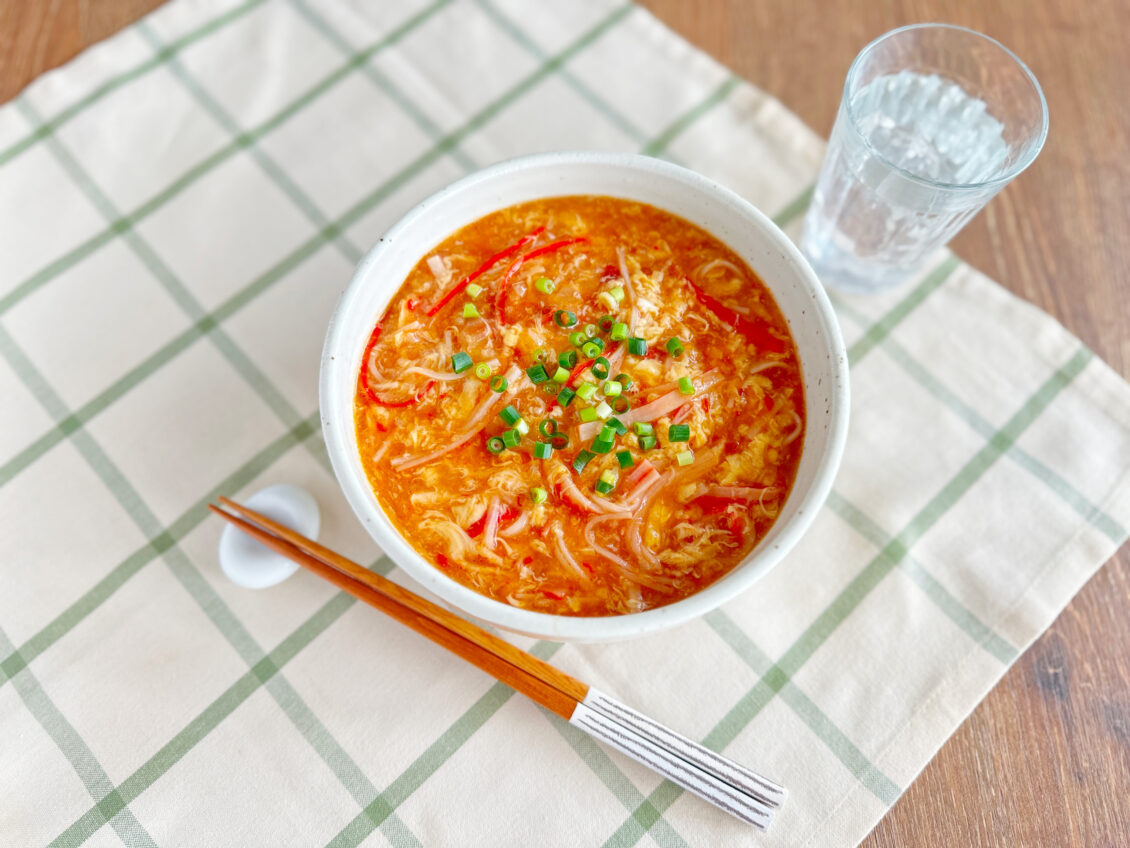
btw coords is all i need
(490, 527)
(404, 463)
(367, 371)
(482, 269)
(755, 332)
(562, 481)
(550, 415)
(504, 286)
(659, 407)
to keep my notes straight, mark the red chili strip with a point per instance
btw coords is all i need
(557, 596)
(482, 269)
(373, 396)
(754, 332)
(504, 286)
(479, 524)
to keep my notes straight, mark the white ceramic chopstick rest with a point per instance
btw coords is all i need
(252, 565)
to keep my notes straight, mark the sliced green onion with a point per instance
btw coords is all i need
(510, 415)
(684, 457)
(619, 426)
(495, 445)
(601, 446)
(637, 346)
(600, 368)
(648, 442)
(584, 457)
(607, 433)
(611, 389)
(543, 354)
(561, 375)
(538, 495)
(591, 330)
(550, 387)
(482, 371)
(619, 332)
(460, 362)
(675, 347)
(498, 383)
(642, 428)
(589, 414)
(607, 481)
(567, 359)
(565, 396)
(686, 387)
(542, 450)
(603, 410)
(599, 342)
(474, 290)
(625, 459)
(511, 438)
(620, 404)
(624, 380)
(606, 322)
(617, 292)
(607, 300)
(537, 374)
(560, 441)
(577, 338)
(548, 428)
(564, 318)
(590, 350)
(586, 390)
(470, 310)
(679, 433)
(545, 285)
(521, 426)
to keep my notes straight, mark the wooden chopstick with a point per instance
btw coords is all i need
(547, 673)
(713, 777)
(509, 673)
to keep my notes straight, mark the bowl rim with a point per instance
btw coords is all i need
(354, 484)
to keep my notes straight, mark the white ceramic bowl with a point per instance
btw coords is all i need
(719, 211)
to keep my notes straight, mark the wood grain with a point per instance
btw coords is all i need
(1045, 759)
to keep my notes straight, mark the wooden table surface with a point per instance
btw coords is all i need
(1045, 759)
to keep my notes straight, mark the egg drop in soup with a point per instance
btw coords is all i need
(581, 405)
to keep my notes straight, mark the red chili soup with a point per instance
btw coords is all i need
(581, 405)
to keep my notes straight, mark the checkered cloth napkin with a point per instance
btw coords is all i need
(181, 206)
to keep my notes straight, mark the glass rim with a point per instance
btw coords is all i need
(1006, 177)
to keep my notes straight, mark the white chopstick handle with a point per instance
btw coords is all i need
(741, 778)
(674, 768)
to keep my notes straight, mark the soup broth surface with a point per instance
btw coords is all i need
(581, 405)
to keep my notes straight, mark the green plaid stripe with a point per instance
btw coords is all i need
(774, 679)
(378, 810)
(192, 175)
(77, 752)
(406, 104)
(522, 38)
(378, 807)
(48, 127)
(680, 126)
(300, 714)
(206, 598)
(1055, 482)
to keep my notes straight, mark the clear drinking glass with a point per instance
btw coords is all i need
(935, 119)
